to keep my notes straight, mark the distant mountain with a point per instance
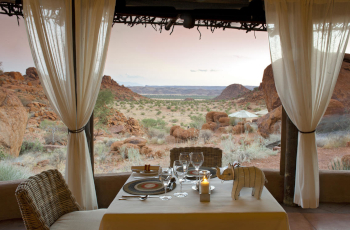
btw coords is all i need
(188, 87)
(170, 90)
(127, 84)
(120, 92)
(250, 87)
(232, 91)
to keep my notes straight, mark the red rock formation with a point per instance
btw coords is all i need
(32, 73)
(232, 91)
(224, 121)
(341, 91)
(335, 107)
(120, 92)
(210, 126)
(13, 122)
(213, 116)
(16, 76)
(118, 122)
(182, 134)
(266, 123)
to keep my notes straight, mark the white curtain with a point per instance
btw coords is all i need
(307, 44)
(72, 96)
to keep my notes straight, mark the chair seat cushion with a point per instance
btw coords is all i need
(79, 220)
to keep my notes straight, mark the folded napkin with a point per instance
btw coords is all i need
(144, 167)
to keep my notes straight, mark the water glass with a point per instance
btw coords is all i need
(164, 177)
(197, 159)
(180, 170)
(185, 157)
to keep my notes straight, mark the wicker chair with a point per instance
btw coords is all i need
(46, 203)
(212, 156)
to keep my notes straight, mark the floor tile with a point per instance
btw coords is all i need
(328, 221)
(14, 224)
(298, 222)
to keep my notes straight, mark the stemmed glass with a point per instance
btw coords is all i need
(164, 177)
(180, 169)
(197, 159)
(185, 157)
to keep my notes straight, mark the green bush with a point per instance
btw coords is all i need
(30, 146)
(159, 112)
(102, 110)
(174, 120)
(8, 171)
(152, 123)
(197, 121)
(338, 164)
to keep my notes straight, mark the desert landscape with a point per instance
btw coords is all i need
(139, 125)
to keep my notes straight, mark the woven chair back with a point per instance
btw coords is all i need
(43, 199)
(212, 156)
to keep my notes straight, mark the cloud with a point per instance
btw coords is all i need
(214, 70)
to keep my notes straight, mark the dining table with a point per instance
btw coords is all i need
(188, 213)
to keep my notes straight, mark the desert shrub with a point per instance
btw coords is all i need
(249, 128)
(334, 123)
(333, 140)
(161, 141)
(242, 152)
(55, 137)
(157, 133)
(58, 156)
(159, 112)
(102, 110)
(31, 146)
(338, 164)
(234, 121)
(256, 109)
(152, 123)
(134, 156)
(197, 121)
(205, 134)
(142, 113)
(8, 171)
(110, 142)
(174, 120)
(101, 151)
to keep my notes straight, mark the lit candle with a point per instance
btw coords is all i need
(205, 186)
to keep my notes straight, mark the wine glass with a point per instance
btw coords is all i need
(164, 177)
(180, 169)
(185, 157)
(197, 159)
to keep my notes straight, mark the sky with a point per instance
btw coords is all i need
(145, 56)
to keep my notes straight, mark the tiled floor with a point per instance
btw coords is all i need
(328, 216)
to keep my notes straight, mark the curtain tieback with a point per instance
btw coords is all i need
(77, 131)
(306, 132)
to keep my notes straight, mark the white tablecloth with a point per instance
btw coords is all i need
(189, 213)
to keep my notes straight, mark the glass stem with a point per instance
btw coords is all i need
(180, 186)
(165, 189)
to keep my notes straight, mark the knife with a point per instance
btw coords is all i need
(137, 196)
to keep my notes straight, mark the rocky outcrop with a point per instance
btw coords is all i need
(238, 129)
(232, 91)
(139, 141)
(182, 134)
(255, 96)
(118, 123)
(32, 73)
(213, 116)
(341, 91)
(267, 123)
(335, 107)
(119, 91)
(210, 126)
(13, 122)
(15, 75)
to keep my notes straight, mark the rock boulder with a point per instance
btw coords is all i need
(32, 73)
(13, 122)
(266, 123)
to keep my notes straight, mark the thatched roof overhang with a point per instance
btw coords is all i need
(212, 14)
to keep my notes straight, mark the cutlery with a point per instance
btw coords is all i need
(137, 196)
(142, 198)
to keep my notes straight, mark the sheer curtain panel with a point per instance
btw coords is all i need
(307, 44)
(71, 73)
